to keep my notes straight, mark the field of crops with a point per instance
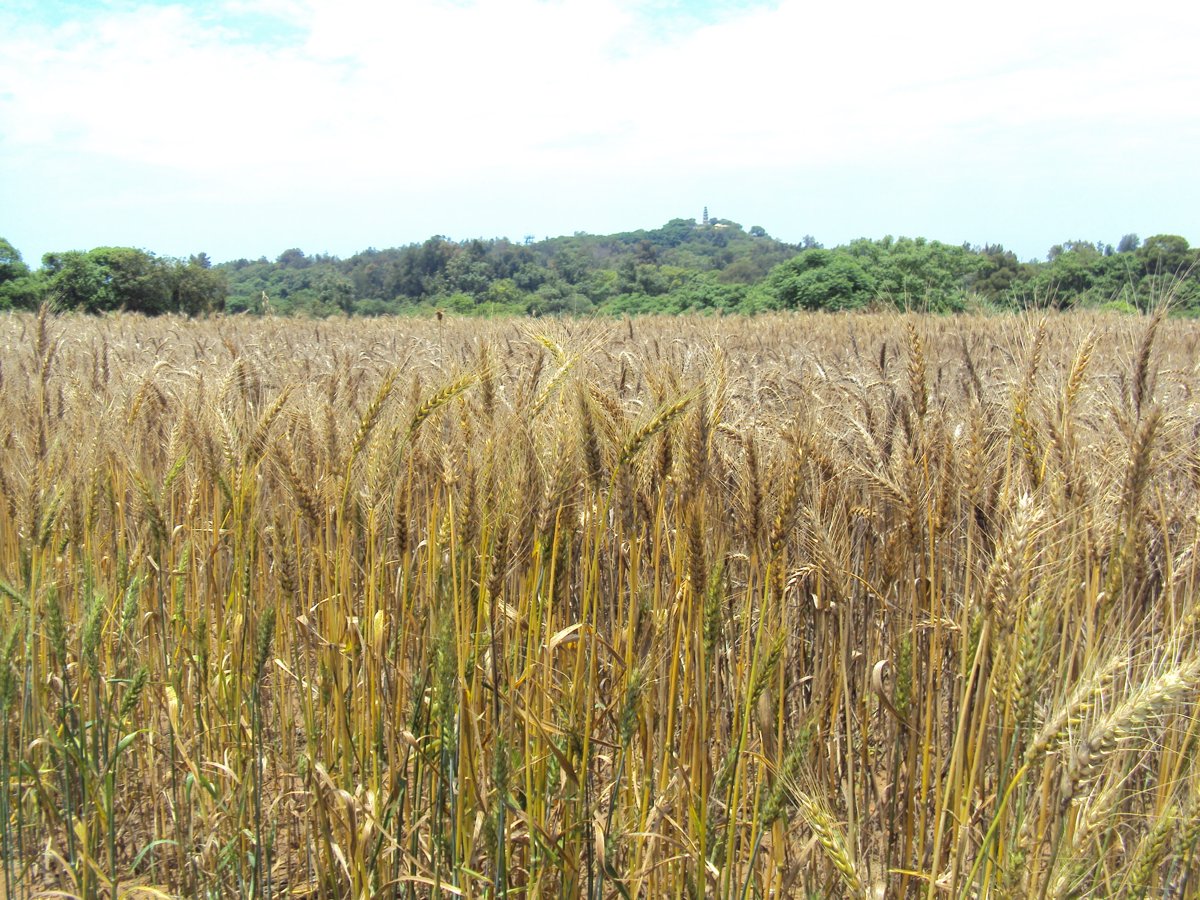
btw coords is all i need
(795, 606)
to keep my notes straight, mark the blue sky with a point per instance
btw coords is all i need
(244, 127)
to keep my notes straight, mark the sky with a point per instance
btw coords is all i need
(241, 128)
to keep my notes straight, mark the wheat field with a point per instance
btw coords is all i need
(793, 606)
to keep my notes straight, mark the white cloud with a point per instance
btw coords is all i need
(256, 98)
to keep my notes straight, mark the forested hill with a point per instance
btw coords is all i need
(683, 266)
(680, 266)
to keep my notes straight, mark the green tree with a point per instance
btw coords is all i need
(1068, 278)
(571, 265)
(74, 280)
(676, 232)
(19, 288)
(12, 266)
(998, 273)
(335, 291)
(504, 296)
(112, 278)
(197, 288)
(821, 279)
(1166, 254)
(743, 270)
(141, 282)
(467, 273)
(293, 258)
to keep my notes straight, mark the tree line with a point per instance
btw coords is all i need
(106, 279)
(683, 266)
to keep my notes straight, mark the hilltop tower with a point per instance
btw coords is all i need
(705, 221)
